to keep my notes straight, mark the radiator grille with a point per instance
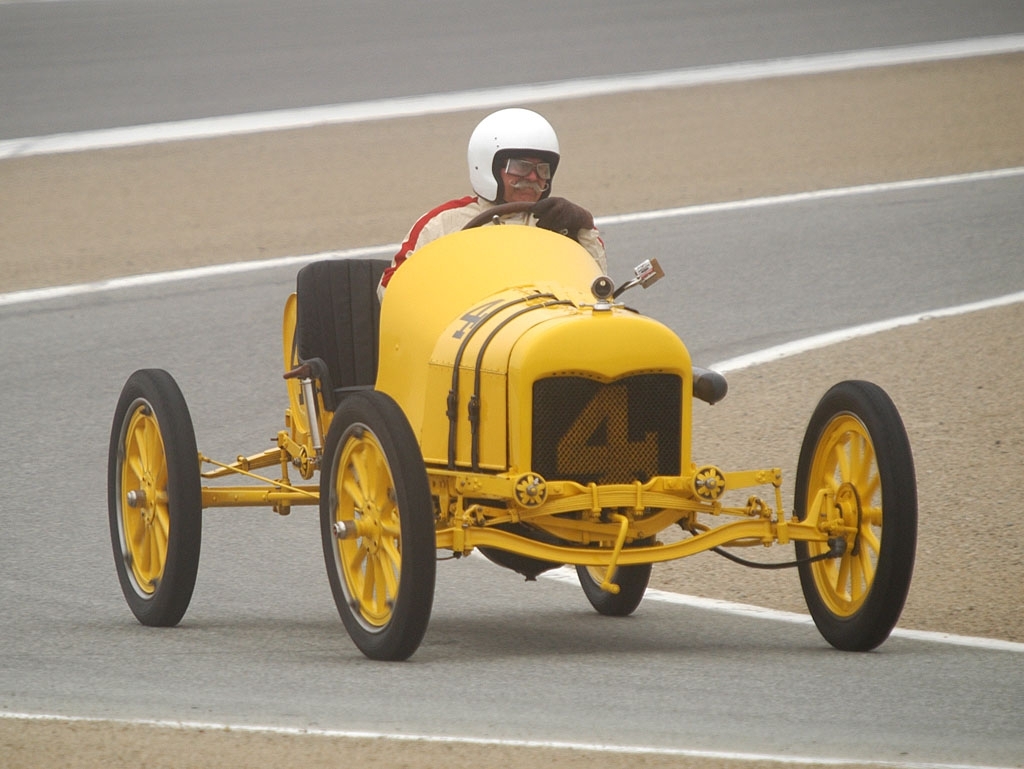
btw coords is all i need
(615, 432)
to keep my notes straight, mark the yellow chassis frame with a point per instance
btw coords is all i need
(471, 505)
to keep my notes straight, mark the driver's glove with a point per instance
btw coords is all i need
(561, 215)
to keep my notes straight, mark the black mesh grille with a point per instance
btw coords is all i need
(616, 432)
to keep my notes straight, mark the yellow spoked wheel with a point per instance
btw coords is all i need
(847, 476)
(145, 519)
(154, 498)
(371, 559)
(856, 462)
(377, 526)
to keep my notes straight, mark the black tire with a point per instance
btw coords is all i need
(632, 582)
(154, 498)
(856, 446)
(382, 578)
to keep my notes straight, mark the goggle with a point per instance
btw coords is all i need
(518, 167)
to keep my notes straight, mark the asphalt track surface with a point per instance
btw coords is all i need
(253, 629)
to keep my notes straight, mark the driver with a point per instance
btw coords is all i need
(513, 154)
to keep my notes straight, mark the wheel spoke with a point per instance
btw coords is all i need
(865, 571)
(871, 486)
(158, 557)
(356, 562)
(136, 437)
(854, 453)
(381, 481)
(841, 461)
(828, 479)
(391, 525)
(351, 488)
(160, 475)
(370, 586)
(867, 563)
(393, 559)
(842, 582)
(148, 442)
(135, 531)
(390, 570)
(857, 583)
(142, 554)
(358, 469)
(375, 588)
(161, 527)
(134, 465)
(870, 542)
(867, 475)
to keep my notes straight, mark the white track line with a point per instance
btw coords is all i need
(845, 334)
(567, 574)
(191, 273)
(639, 750)
(813, 195)
(430, 104)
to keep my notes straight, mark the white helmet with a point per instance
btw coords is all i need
(504, 134)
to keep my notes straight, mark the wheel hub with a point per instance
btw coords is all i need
(370, 529)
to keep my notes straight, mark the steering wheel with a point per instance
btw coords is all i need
(502, 209)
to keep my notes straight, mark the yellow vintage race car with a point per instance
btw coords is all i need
(502, 399)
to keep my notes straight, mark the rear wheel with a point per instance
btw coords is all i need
(632, 582)
(154, 498)
(856, 457)
(377, 526)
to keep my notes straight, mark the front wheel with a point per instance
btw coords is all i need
(377, 526)
(856, 460)
(154, 498)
